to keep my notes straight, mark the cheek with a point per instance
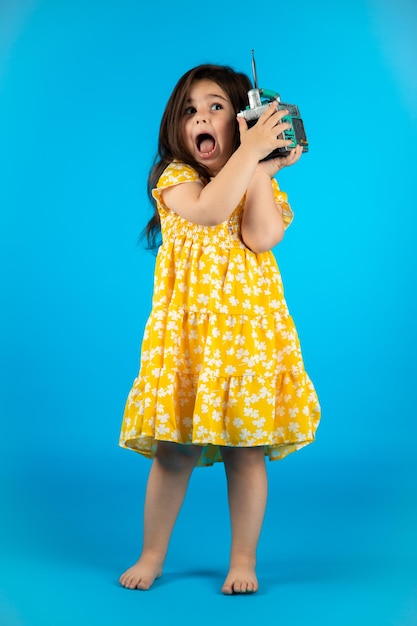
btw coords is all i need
(185, 131)
(230, 134)
(187, 140)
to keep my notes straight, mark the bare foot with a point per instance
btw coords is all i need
(141, 575)
(240, 579)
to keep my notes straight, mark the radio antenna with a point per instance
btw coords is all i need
(255, 78)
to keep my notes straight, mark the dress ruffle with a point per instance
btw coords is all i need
(274, 406)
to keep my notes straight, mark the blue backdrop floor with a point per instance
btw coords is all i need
(333, 551)
(83, 86)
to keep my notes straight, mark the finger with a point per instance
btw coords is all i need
(292, 157)
(242, 123)
(282, 113)
(279, 113)
(279, 127)
(278, 117)
(298, 151)
(283, 143)
(269, 112)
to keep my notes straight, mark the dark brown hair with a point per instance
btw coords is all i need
(171, 142)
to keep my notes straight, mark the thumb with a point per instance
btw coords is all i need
(243, 125)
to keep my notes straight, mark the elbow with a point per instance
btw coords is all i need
(263, 242)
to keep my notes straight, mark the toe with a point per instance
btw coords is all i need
(227, 589)
(238, 586)
(144, 584)
(123, 580)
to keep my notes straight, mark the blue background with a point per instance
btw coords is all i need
(82, 88)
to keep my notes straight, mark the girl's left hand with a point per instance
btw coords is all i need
(272, 166)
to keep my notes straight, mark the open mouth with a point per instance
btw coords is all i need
(205, 144)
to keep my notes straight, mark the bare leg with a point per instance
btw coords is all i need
(167, 484)
(247, 490)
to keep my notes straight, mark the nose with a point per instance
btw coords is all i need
(201, 120)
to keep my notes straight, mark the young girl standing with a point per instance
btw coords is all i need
(221, 376)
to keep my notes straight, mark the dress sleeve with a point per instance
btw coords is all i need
(281, 199)
(174, 174)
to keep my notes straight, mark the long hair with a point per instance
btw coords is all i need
(171, 143)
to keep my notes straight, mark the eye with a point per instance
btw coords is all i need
(190, 110)
(216, 107)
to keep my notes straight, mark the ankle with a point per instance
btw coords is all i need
(155, 557)
(242, 559)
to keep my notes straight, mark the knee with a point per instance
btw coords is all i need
(175, 456)
(243, 458)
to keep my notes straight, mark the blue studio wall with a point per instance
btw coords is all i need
(83, 85)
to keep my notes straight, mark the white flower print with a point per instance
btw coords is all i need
(202, 432)
(203, 299)
(220, 360)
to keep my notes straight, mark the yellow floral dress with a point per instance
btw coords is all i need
(221, 363)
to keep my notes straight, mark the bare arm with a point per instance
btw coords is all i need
(214, 203)
(262, 223)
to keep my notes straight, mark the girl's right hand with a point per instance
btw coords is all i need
(265, 135)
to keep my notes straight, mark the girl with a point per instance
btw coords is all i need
(221, 376)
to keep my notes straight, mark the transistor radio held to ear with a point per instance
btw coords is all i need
(259, 100)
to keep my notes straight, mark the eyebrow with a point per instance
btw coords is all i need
(211, 95)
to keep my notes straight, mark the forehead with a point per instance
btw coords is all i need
(205, 88)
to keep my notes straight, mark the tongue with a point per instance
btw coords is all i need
(207, 144)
